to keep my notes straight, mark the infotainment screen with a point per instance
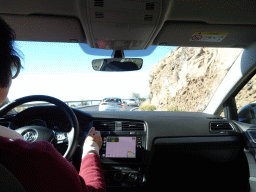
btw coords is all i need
(119, 147)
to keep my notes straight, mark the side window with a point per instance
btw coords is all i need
(246, 102)
(222, 113)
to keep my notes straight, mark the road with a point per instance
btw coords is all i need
(96, 108)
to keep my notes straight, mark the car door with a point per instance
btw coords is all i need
(241, 108)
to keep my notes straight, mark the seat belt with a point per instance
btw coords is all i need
(8, 182)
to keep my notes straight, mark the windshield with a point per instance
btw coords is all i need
(171, 78)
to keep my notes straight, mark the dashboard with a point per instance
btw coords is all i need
(140, 148)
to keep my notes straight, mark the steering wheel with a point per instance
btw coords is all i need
(35, 133)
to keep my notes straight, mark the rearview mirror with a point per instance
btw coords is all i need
(117, 64)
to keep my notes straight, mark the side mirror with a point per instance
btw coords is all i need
(117, 64)
(247, 114)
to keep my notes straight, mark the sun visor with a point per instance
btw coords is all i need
(205, 35)
(46, 28)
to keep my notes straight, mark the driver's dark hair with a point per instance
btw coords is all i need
(9, 59)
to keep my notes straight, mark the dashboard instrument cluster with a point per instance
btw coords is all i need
(56, 126)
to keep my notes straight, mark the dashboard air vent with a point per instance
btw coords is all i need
(148, 18)
(220, 126)
(150, 6)
(99, 15)
(99, 3)
(133, 126)
(215, 118)
(104, 125)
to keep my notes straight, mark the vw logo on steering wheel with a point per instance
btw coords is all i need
(30, 136)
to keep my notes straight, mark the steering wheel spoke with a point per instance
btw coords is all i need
(61, 137)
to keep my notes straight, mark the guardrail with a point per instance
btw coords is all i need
(69, 103)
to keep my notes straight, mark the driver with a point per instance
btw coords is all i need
(38, 165)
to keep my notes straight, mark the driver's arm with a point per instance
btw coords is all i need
(5, 132)
(40, 167)
(91, 169)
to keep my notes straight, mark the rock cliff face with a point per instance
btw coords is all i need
(188, 77)
(247, 95)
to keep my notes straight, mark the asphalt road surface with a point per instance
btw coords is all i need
(96, 108)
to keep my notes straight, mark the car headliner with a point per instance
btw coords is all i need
(124, 25)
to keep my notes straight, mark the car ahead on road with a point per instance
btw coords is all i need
(133, 102)
(111, 104)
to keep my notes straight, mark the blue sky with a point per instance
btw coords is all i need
(64, 71)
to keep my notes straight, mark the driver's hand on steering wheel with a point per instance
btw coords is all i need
(11, 134)
(93, 142)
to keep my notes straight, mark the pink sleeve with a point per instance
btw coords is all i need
(92, 173)
(90, 177)
(58, 173)
(47, 170)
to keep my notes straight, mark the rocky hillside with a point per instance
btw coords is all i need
(188, 77)
(247, 95)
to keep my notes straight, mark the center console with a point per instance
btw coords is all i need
(122, 157)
